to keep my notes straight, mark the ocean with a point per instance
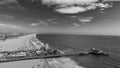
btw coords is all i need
(75, 43)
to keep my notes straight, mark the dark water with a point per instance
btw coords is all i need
(72, 43)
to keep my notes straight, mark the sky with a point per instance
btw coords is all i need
(60, 16)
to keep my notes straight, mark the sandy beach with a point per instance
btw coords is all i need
(25, 42)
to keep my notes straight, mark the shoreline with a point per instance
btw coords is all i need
(62, 62)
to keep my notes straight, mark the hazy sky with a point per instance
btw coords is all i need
(60, 16)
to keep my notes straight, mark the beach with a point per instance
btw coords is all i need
(26, 43)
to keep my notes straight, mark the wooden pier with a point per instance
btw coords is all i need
(12, 59)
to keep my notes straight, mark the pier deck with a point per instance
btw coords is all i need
(11, 59)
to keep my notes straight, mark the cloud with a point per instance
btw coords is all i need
(82, 20)
(76, 25)
(34, 24)
(8, 26)
(70, 10)
(85, 20)
(67, 2)
(55, 22)
(12, 28)
(7, 16)
(3, 2)
(74, 6)
(73, 17)
(12, 4)
(39, 22)
(51, 20)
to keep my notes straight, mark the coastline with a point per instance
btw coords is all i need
(41, 63)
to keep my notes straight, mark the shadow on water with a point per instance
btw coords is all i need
(73, 43)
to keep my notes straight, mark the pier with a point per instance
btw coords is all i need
(20, 58)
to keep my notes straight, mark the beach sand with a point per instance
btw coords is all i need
(24, 42)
